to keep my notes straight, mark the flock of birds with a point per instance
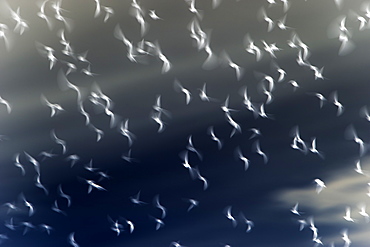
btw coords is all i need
(69, 61)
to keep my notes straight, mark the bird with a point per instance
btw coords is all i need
(18, 164)
(203, 94)
(97, 8)
(185, 158)
(73, 158)
(238, 70)
(159, 224)
(94, 185)
(159, 206)
(136, 199)
(255, 132)
(249, 223)
(229, 216)
(197, 175)
(235, 125)
(156, 116)
(59, 141)
(55, 108)
(72, 241)
(116, 227)
(6, 103)
(262, 14)
(347, 241)
(257, 149)
(347, 215)
(46, 228)
(314, 150)
(210, 131)
(158, 106)
(31, 209)
(56, 208)
(21, 25)
(358, 168)
(99, 132)
(179, 88)
(294, 210)
(130, 225)
(125, 132)
(34, 162)
(302, 224)
(351, 134)
(153, 15)
(191, 147)
(363, 212)
(193, 203)
(320, 185)
(340, 107)
(242, 158)
(63, 195)
(43, 16)
(109, 12)
(364, 113)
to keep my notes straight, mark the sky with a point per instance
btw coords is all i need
(184, 123)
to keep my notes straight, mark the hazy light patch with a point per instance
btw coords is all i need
(344, 188)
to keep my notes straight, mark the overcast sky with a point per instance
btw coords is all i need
(129, 78)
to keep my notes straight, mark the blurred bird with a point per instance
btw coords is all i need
(229, 216)
(159, 206)
(210, 131)
(242, 158)
(136, 199)
(179, 88)
(347, 215)
(320, 185)
(55, 108)
(72, 241)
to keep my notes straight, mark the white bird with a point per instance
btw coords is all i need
(6, 103)
(214, 137)
(73, 158)
(156, 116)
(153, 15)
(125, 132)
(351, 134)
(252, 48)
(94, 185)
(314, 150)
(193, 203)
(235, 125)
(363, 212)
(43, 16)
(159, 206)
(38, 184)
(159, 223)
(81, 109)
(87, 71)
(203, 94)
(281, 23)
(185, 158)
(18, 164)
(46, 228)
(158, 106)
(179, 88)
(131, 53)
(21, 25)
(59, 141)
(270, 22)
(365, 113)
(191, 147)
(65, 84)
(116, 227)
(64, 195)
(238, 70)
(56, 208)
(320, 185)
(31, 209)
(347, 215)
(99, 132)
(257, 149)
(358, 168)
(228, 215)
(136, 199)
(34, 162)
(55, 108)
(250, 224)
(321, 98)
(109, 12)
(294, 209)
(27, 226)
(130, 225)
(72, 241)
(97, 8)
(127, 157)
(242, 158)
(302, 224)
(196, 174)
(347, 241)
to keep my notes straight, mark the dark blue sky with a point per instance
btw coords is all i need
(127, 79)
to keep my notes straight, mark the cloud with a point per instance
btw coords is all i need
(344, 188)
